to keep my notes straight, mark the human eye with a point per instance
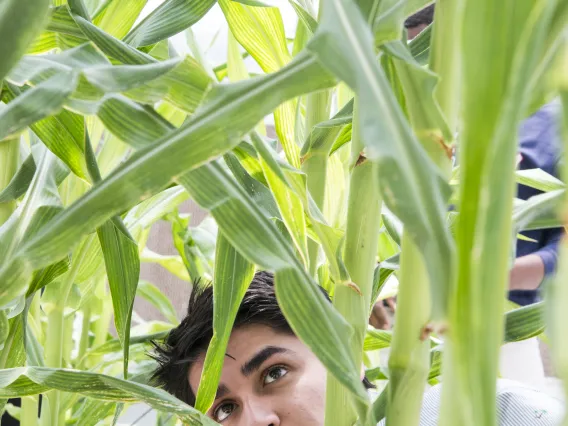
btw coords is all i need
(274, 373)
(223, 411)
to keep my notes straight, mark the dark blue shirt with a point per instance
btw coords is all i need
(539, 143)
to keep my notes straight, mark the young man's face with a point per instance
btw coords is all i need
(268, 378)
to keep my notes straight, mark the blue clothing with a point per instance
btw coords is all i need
(539, 143)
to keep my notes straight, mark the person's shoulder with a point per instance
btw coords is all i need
(518, 404)
(543, 119)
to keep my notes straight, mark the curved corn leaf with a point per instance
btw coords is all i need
(256, 190)
(62, 22)
(62, 133)
(171, 17)
(286, 178)
(35, 103)
(377, 339)
(24, 381)
(238, 107)
(153, 209)
(38, 206)
(420, 46)
(413, 188)
(20, 181)
(185, 86)
(92, 411)
(233, 274)
(303, 15)
(118, 16)
(20, 23)
(260, 31)
(539, 211)
(172, 263)
(153, 295)
(122, 263)
(524, 323)
(114, 345)
(44, 276)
(123, 269)
(539, 179)
(424, 113)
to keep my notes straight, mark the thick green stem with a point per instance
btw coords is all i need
(409, 360)
(315, 165)
(30, 405)
(353, 299)
(56, 332)
(9, 155)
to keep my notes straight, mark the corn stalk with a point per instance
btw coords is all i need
(352, 299)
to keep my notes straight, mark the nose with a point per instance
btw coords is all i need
(259, 413)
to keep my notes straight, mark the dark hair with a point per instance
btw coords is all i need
(187, 341)
(422, 17)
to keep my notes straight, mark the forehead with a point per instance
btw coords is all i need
(245, 342)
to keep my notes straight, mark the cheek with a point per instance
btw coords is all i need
(305, 403)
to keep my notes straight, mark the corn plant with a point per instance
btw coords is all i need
(105, 129)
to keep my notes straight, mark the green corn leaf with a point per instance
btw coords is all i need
(4, 327)
(539, 211)
(153, 209)
(539, 179)
(35, 103)
(153, 295)
(377, 339)
(407, 177)
(20, 181)
(62, 134)
(131, 122)
(185, 86)
(172, 263)
(44, 276)
(295, 181)
(291, 210)
(13, 352)
(123, 269)
(303, 15)
(44, 43)
(233, 274)
(420, 46)
(171, 17)
(92, 411)
(524, 323)
(118, 17)
(18, 382)
(122, 264)
(261, 32)
(114, 345)
(239, 107)
(20, 23)
(425, 115)
(256, 190)
(62, 22)
(39, 205)
(34, 350)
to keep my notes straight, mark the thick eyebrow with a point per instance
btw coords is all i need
(256, 361)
